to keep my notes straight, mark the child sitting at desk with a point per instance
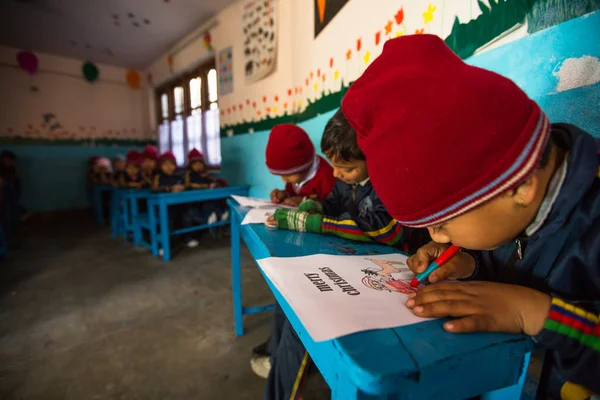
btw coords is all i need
(169, 180)
(482, 168)
(118, 165)
(353, 211)
(102, 171)
(132, 178)
(291, 155)
(149, 165)
(196, 177)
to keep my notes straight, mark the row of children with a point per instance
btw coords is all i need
(427, 141)
(161, 174)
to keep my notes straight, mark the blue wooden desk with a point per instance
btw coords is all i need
(98, 206)
(158, 204)
(420, 361)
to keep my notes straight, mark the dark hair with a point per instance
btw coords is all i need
(339, 139)
(8, 154)
(545, 158)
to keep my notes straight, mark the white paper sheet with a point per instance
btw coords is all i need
(337, 295)
(253, 202)
(258, 215)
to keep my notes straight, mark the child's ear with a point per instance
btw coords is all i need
(526, 192)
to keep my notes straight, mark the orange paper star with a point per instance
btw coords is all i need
(388, 27)
(348, 54)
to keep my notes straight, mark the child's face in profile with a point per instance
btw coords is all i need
(197, 166)
(119, 165)
(350, 172)
(148, 164)
(294, 178)
(168, 167)
(132, 169)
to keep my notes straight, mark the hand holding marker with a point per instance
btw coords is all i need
(438, 262)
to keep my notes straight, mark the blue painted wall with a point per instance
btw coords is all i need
(53, 177)
(531, 62)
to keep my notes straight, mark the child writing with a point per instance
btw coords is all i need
(353, 210)
(482, 168)
(291, 155)
(132, 178)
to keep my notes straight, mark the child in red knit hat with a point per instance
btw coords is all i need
(149, 165)
(132, 178)
(197, 177)
(464, 152)
(291, 155)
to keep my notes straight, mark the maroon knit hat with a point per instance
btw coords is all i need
(150, 152)
(441, 137)
(167, 155)
(195, 155)
(133, 157)
(289, 150)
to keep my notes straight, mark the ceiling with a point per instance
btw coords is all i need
(127, 33)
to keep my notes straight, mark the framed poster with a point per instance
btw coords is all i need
(259, 24)
(225, 71)
(325, 10)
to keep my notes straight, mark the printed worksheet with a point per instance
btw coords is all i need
(253, 202)
(258, 215)
(337, 295)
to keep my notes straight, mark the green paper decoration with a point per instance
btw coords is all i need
(90, 72)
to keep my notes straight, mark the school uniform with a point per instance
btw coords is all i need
(559, 254)
(125, 179)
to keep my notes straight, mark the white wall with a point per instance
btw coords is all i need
(100, 109)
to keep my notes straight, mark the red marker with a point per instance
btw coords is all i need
(438, 262)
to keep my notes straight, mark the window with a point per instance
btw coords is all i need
(188, 112)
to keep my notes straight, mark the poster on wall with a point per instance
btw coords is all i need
(225, 71)
(259, 23)
(325, 10)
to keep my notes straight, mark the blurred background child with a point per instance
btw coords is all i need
(132, 178)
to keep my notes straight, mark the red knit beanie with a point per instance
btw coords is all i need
(289, 150)
(441, 137)
(133, 157)
(167, 155)
(195, 155)
(150, 152)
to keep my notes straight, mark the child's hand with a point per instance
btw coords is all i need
(461, 266)
(277, 196)
(271, 221)
(177, 188)
(293, 201)
(483, 306)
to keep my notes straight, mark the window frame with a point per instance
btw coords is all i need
(183, 80)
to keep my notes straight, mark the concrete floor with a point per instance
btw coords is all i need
(86, 316)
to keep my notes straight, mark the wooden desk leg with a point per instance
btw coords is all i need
(514, 391)
(126, 223)
(163, 218)
(137, 229)
(236, 274)
(114, 213)
(153, 232)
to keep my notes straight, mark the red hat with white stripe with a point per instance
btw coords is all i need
(289, 150)
(441, 137)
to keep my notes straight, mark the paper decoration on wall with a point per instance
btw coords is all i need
(225, 71)
(325, 10)
(51, 122)
(90, 72)
(28, 62)
(207, 41)
(133, 79)
(259, 23)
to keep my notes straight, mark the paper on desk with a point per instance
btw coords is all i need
(258, 215)
(253, 202)
(334, 296)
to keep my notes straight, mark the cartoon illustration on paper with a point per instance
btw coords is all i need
(393, 276)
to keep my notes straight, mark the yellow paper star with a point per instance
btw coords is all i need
(399, 33)
(367, 57)
(299, 103)
(428, 15)
(316, 87)
(275, 109)
(336, 75)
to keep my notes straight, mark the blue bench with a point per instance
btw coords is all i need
(420, 361)
(158, 218)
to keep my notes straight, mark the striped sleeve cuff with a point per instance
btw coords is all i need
(575, 323)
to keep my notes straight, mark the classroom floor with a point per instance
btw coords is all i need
(86, 316)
